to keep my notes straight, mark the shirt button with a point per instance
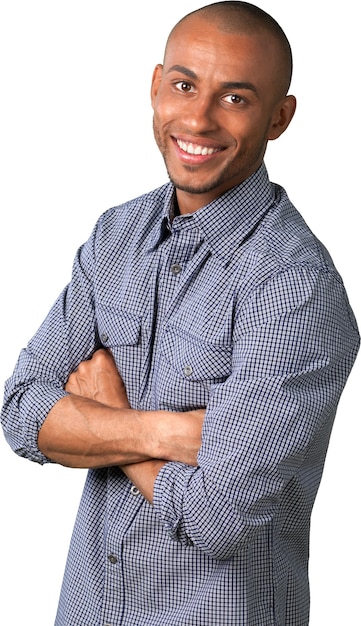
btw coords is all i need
(104, 337)
(134, 491)
(113, 559)
(176, 269)
(188, 370)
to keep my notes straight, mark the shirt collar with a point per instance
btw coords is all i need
(227, 221)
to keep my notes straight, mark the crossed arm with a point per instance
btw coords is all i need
(94, 426)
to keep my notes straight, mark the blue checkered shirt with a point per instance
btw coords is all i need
(238, 308)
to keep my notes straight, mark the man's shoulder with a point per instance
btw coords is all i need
(288, 238)
(283, 256)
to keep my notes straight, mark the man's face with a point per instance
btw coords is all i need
(216, 103)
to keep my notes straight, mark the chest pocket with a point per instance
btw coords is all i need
(193, 359)
(116, 327)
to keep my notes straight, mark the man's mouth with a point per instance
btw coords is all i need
(197, 149)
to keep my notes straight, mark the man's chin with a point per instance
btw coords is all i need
(191, 187)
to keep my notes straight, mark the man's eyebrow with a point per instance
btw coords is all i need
(182, 70)
(240, 85)
(227, 85)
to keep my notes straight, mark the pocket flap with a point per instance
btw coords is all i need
(195, 359)
(117, 327)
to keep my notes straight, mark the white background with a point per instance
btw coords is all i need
(75, 140)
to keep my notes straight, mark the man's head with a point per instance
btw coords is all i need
(218, 98)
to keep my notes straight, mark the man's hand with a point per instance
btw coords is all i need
(98, 379)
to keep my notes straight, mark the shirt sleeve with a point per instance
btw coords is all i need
(66, 337)
(267, 427)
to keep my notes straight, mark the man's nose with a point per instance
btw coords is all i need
(200, 114)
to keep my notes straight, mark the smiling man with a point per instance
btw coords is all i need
(195, 361)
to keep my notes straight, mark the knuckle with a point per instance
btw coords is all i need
(99, 355)
(81, 368)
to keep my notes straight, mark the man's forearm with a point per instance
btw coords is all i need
(80, 432)
(94, 425)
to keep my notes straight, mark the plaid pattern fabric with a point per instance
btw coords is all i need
(238, 308)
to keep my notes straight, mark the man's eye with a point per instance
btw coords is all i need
(233, 98)
(182, 85)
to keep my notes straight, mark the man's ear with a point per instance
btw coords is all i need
(283, 114)
(156, 80)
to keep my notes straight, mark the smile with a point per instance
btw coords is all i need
(192, 148)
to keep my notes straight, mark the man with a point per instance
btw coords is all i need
(195, 361)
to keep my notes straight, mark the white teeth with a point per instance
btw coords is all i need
(191, 148)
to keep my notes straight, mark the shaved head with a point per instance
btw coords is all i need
(237, 17)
